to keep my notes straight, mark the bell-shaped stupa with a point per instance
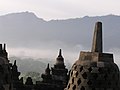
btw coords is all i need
(94, 70)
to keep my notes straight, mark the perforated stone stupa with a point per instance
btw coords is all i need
(94, 70)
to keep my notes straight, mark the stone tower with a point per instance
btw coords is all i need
(55, 78)
(15, 73)
(47, 78)
(94, 70)
(59, 71)
(15, 77)
(5, 70)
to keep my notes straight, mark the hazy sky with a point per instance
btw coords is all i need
(60, 9)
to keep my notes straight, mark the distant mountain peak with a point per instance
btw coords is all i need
(21, 15)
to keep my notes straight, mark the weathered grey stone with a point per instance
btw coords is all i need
(94, 70)
(97, 38)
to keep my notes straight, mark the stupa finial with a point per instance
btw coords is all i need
(97, 38)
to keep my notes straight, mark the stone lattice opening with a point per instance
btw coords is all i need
(82, 88)
(84, 75)
(81, 68)
(76, 74)
(79, 81)
(72, 80)
(74, 87)
(90, 69)
(100, 69)
(71, 73)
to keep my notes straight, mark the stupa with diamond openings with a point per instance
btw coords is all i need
(94, 70)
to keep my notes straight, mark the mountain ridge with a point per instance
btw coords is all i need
(34, 15)
(15, 25)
